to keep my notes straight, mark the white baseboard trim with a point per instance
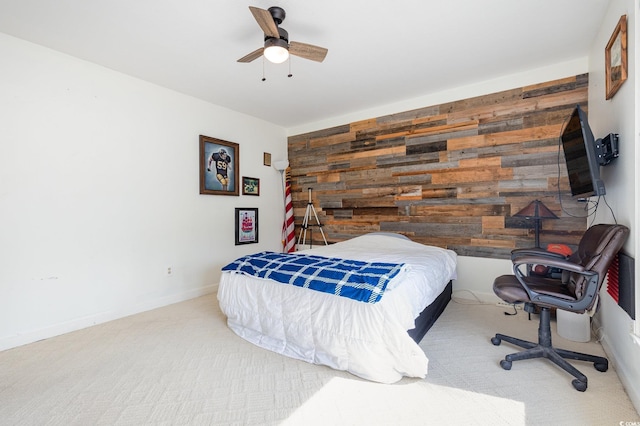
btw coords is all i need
(102, 317)
(631, 387)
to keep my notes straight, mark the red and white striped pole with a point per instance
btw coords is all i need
(288, 228)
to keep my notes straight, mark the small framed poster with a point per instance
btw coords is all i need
(246, 225)
(250, 186)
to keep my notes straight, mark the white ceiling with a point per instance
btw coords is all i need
(380, 52)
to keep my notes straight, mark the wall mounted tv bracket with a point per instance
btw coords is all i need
(607, 149)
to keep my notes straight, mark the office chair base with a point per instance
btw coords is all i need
(544, 349)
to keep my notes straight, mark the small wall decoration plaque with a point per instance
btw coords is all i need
(615, 55)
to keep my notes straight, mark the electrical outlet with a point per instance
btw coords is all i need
(169, 271)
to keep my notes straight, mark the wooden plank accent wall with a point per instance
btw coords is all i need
(448, 175)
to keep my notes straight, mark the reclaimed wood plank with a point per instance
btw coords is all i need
(492, 222)
(345, 128)
(336, 139)
(409, 115)
(357, 126)
(350, 156)
(470, 175)
(508, 137)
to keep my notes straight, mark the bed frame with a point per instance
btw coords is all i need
(430, 314)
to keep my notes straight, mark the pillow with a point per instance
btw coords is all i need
(389, 234)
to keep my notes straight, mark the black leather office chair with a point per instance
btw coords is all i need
(576, 290)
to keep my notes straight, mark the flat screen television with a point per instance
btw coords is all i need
(581, 156)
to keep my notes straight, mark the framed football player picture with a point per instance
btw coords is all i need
(219, 162)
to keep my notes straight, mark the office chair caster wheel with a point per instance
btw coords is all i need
(496, 341)
(601, 366)
(506, 365)
(580, 386)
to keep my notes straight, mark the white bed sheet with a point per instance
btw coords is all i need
(368, 340)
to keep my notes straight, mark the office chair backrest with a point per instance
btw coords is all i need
(597, 249)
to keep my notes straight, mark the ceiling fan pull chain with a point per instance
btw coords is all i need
(290, 75)
(263, 77)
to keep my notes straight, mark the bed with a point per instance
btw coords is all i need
(375, 341)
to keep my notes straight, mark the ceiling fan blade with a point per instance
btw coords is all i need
(308, 51)
(266, 22)
(252, 56)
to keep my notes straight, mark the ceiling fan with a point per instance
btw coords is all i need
(277, 46)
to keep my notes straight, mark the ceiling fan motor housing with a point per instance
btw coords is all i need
(284, 35)
(278, 14)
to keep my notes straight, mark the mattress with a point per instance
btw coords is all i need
(369, 340)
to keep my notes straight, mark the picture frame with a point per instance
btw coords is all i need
(219, 170)
(250, 186)
(246, 229)
(615, 55)
(266, 159)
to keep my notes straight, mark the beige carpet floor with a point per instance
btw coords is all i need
(181, 365)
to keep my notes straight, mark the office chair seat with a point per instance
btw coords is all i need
(509, 289)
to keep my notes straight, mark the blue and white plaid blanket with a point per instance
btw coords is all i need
(355, 279)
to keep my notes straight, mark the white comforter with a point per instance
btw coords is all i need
(368, 340)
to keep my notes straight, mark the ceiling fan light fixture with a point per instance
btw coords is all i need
(276, 40)
(276, 50)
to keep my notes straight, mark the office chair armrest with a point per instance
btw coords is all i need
(518, 253)
(554, 262)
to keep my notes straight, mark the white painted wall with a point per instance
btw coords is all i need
(99, 194)
(476, 275)
(619, 115)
